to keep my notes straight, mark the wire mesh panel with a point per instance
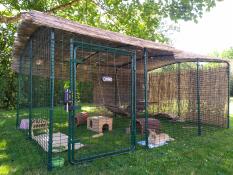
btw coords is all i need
(213, 78)
(187, 99)
(103, 121)
(23, 92)
(33, 95)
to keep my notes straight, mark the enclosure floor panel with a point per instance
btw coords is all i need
(60, 142)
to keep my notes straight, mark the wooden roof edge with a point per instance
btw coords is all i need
(38, 19)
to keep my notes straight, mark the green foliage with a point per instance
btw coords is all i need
(225, 54)
(141, 19)
(185, 9)
(7, 76)
(228, 53)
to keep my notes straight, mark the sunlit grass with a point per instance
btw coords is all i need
(4, 169)
(3, 156)
(89, 108)
(2, 144)
(209, 154)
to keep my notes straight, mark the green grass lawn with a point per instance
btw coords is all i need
(209, 154)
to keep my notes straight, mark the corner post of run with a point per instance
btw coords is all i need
(51, 109)
(145, 57)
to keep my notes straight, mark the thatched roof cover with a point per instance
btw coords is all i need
(30, 21)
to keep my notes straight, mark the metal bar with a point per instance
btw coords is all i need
(19, 90)
(228, 98)
(113, 153)
(30, 89)
(178, 89)
(93, 54)
(96, 47)
(74, 99)
(51, 110)
(134, 98)
(70, 114)
(198, 99)
(88, 57)
(139, 59)
(145, 56)
(115, 90)
(187, 61)
(132, 103)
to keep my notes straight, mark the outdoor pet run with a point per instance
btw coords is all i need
(86, 93)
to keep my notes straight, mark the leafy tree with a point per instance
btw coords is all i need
(142, 19)
(7, 76)
(227, 53)
(135, 18)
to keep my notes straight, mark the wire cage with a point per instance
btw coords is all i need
(74, 101)
(80, 99)
(180, 99)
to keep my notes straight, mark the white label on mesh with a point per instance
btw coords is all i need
(107, 79)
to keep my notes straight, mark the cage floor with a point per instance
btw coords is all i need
(60, 142)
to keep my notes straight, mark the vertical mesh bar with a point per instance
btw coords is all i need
(178, 89)
(134, 97)
(51, 110)
(30, 88)
(70, 134)
(198, 99)
(19, 92)
(145, 57)
(228, 95)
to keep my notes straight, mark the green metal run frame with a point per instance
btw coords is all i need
(74, 46)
